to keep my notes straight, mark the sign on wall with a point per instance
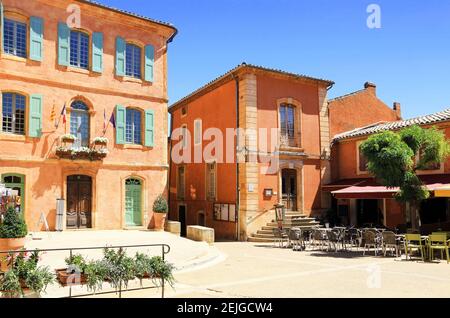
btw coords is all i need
(225, 212)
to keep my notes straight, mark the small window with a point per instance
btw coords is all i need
(133, 126)
(197, 131)
(181, 183)
(13, 113)
(133, 60)
(211, 176)
(184, 136)
(183, 111)
(15, 38)
(79, 49)
(133, 182)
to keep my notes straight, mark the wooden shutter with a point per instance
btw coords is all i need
(97, 52)
(36, 38)
(149, 128)
(120, 124)
(120, 56)
(63, 44)
(211, 180)
(35, 116)
(149, 62)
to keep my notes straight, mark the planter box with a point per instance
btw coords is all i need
(66, 279)
(100, 143)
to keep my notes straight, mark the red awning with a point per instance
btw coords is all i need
(369, 189)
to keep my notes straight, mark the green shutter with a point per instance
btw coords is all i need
(36, 38)
(149, 128)
(149, 62)
(35, 116)
(63, 44)
(97, 52)
(120, 56)
(1, 23)
(120, 124)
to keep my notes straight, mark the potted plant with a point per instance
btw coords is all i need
(63, 152)
(99, 154)
(25, 278)
(119, 268)
(13, 232)
(96, 272)
(100, 141)
(160, 209)
(68, 138)
(74, 274)
(81, 153)
(161, 270)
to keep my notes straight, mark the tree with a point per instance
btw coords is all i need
(395, 157)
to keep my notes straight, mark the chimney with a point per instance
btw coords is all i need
(398, 110)
(371, 87)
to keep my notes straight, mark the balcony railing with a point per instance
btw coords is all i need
(288, 142)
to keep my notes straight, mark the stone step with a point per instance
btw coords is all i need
(260, 240)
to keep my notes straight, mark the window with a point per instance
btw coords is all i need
(184, 136)
(133, 127)
(133, 61)
(183, 111)
(15, 38)
(432, 166)
(225, 212)
(13, 118)
(79, 49)
(361, 160)
(79, 123)
(197, 131)
(211, 181)
(180, 183)
(287, 120)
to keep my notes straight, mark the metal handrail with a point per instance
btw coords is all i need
(165, 249)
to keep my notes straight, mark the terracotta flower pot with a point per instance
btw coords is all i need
(9, 245)
(66, 279)
(160, 220)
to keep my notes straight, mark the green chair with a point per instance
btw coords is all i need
(414, 242)
(438, 242)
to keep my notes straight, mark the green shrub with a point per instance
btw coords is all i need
(160, 205)
(13, 225)
(10, 285)
(76, 263)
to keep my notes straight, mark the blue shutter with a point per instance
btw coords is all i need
(149, 128)
(120, 124)
(97, 52)
(63, 44)
(2, 23)
(120, 56)
(149, 62)
(36, 38)
(35, 116)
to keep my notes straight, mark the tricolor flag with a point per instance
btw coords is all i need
(53, 115)
(112, 120)
(104, 121)
(63, 114)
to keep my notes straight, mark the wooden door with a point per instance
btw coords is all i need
(133, 202)
(289, 189)
(79, 202)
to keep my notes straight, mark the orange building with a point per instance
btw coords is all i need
(359, 200)
(235, 195)
(96, 67)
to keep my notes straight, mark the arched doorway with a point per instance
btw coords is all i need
(133, 202)
(289, 188)
(16, 182)
(79, 202)
(80, 123)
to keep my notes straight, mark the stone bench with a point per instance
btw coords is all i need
(173, 227)
(200, 234)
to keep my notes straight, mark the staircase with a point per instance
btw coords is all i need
(292, 219)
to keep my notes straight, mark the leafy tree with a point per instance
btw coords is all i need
(394, 158)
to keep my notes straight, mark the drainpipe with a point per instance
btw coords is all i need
(169, 155)
(238, 190)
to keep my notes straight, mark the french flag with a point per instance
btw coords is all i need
(63, 114)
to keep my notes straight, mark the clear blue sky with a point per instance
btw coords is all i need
(408, 58)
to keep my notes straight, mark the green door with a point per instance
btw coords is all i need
(133, 202)
(16, 182)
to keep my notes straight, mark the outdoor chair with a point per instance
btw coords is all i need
(333, 239)
(370, 240)
(414, 242)
(438, 242)
(296, 239)
(389, 241)
(318, 238)
(280, 237)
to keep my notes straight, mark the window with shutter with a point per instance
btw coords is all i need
(211, 181)
(197, 131)
(181, 183)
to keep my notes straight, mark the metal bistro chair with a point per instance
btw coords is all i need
(296, 239)
(333, 239)
(414, 242)
(389, 241)
(280, 237)
(370, 240)
(438, 242)
(353, 237)
(318, 238)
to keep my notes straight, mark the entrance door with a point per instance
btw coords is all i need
(133, 202)
(79, 202)
(289, 189)
(182, 219)
(369, 213)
